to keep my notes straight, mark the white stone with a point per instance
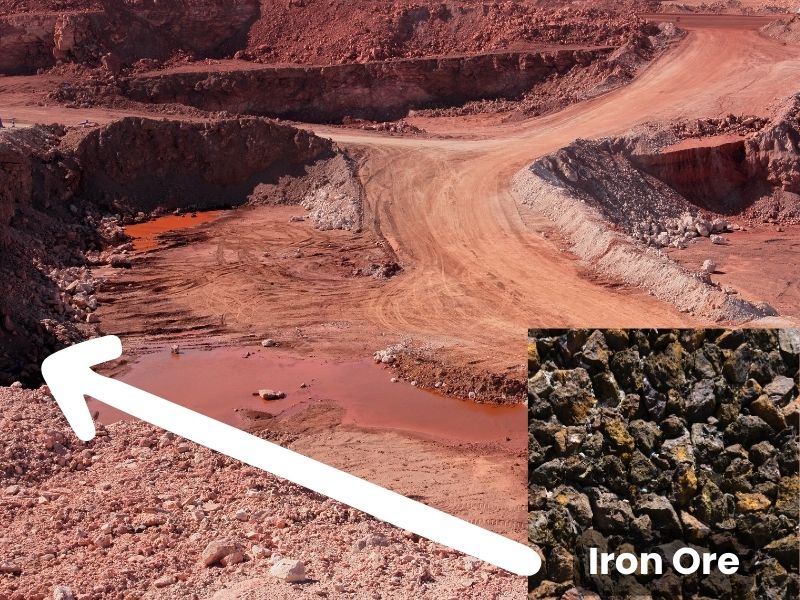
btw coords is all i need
(289, 570)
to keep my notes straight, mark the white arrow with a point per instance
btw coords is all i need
(70, 377)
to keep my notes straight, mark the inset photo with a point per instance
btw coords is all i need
(663, 463)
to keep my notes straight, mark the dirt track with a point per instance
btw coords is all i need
(478, 272)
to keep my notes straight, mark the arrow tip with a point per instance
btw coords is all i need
(68, 373)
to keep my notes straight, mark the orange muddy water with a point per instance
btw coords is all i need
(145, 235)
(216, 382)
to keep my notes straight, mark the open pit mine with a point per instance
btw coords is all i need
(331, 224)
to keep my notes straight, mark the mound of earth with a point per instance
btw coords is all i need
(64, 194)
(654, 440)
(139, 513)
(121, 33)
(668, 187)
(786, 29)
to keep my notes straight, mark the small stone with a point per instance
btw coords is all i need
(271, 394)
(242, 515)
(120, 262)
(701, 402)
(216, 550)
(580, 594)
(663, 515)
(10, 568)
(765, 408)
(718, 240)
(719, 225)
(780, 388)
(789, 341)
(709, 266)
(165, 581)
(289, 570)
(150, 519)
(234, 558)
(62, 592)
(268, 343)
(755, 502)
(695, 529)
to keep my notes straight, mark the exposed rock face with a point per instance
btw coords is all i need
(725, 177)
(378, 91)
(715, 467)
(705, 175)
(204, 28)
(612, 196)
(145, 163)
(65, 193)
(26, 43)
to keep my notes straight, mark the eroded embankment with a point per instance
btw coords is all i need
(122, 33)
(618, 199)
(65, 193)
(375, 90)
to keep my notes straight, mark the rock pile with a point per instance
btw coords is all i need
(677, 232)
(140, 513)
(651, 440)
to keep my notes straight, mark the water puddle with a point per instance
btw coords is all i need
(216, 382)
(145, 235)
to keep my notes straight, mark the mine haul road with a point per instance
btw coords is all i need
(477, 269)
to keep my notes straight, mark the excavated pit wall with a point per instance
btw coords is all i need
(174, 163)
(377, 90)
(207, 28)
(59, 190)
(711, 177)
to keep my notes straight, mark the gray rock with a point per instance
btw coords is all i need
(289, 570)
(655, 402)
(701, 402)
(660, 510)
(595, 350)
(780, 389)
(62, 592)
(748, 430)
(611, 514)
(789, 341)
